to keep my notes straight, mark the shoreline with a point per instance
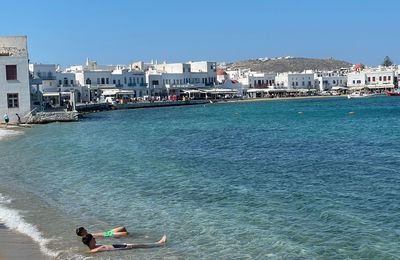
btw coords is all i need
(14, 245)
(8, 131)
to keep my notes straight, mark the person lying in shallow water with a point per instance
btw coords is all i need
(90, 241)
(115, 232)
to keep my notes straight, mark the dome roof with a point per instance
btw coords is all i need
(221, 72)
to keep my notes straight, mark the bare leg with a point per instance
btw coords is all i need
(161, 242)
(120, 229)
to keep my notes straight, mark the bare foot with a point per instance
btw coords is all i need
(163, 240)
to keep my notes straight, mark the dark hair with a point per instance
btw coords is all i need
(79, 231)
(86, 239)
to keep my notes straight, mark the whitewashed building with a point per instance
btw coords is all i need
(258, 79)
(51, 86)
(375, 79)
(98, 78)
(290, 80)
(180, 76)
(14, 77)
(330, 80)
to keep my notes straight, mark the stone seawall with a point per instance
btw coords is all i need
(49, 117)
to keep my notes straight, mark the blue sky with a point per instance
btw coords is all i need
(121, 31)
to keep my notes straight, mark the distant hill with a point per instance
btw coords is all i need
(279, 65)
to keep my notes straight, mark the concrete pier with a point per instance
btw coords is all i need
(49, 117)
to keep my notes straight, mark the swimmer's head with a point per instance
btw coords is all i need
(81, 231)
(88, 240)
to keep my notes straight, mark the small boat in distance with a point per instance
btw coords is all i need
(360, 95)
(394, 93)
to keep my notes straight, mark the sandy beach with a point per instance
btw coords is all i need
(15, 245)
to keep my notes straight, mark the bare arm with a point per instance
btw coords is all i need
(102, 248)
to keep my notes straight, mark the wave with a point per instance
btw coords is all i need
(6, 133)
(15, 221)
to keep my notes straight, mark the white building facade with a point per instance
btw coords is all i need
(175, 77)
(376, 79)
(14, 77)
(291, 80)
(98, 78)
(325, 81)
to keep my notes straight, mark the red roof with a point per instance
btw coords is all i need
(359, 66)
(221, 72)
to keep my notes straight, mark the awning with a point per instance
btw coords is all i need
(111, 92)
(359, 87)
(192, 91)
(339, 88)
(220, 91)
(51, 94)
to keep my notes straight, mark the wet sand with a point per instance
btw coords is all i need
(17, 246)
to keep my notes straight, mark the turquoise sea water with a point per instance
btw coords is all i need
(223, 181)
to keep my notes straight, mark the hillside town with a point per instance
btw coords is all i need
(28, 88)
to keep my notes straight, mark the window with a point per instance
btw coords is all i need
(373, 79)
(380, 78)
(389, 78)
(11, 72)
(12, 100)
(369, 79)
(384, 78)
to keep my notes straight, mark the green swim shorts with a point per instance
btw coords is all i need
(109, 233)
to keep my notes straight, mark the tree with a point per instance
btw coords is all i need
(387, 62)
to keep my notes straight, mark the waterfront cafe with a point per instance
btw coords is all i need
(193, 94)
(270, 93)
(218, 93)
(51, 99)
(340, 90)
(117, 95)
(215, 93)
(373, 88)
(55, 99)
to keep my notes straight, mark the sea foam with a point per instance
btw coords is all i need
(15, 221)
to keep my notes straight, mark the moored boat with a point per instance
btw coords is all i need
(360, 95)
(392, 93)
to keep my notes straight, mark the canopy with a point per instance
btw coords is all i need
(51, 94)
